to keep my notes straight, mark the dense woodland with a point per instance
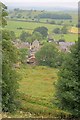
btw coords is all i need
(39, 78)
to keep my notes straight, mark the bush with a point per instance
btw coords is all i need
(57, 31)
(68, 85)
(48, 55)
(42, 30)
(24, 35)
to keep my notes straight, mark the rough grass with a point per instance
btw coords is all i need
(36, 94)
(38, 81)
(37, 91)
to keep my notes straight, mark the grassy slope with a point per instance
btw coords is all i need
(42, 77)
(37, 90)
(37, 82)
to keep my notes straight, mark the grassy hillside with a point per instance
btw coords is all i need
(37, 91)
(38, 81)
(30, 14)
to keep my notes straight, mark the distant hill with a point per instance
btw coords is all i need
(54, 8)
(40, 14)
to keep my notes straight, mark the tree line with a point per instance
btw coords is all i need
(54, 16)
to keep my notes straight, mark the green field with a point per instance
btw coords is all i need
(36, 93)
(31, 22)
(67, 37)
(30, 26)
(40, 76)
(37, 86)
(37, 90)
(31, 14)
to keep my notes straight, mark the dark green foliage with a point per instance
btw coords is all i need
(64, 30)
(6, 35)
(24, 35)
(12, 35)
(68, 86)
(48, 55)
(36, 36)
(9, 75)
(23, 54)
(57, 31)
(55, 16)
(42, 30)
(62, 40)
(3, 14)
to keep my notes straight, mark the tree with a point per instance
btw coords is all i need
(47, 55)
(68, 85)
(24, 35)
(3, 14)
(64, 30)
(36, 35)
(57, 31)
(55, 16)
(42, 30)
(9, 75)
(23, 54)
(6, 35)
(12, 35)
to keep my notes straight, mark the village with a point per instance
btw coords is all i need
(35, 46)
(39, 60)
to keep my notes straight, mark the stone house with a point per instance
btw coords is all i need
(35, 45)
(33, 49)
(65, 46)
(19, 44)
